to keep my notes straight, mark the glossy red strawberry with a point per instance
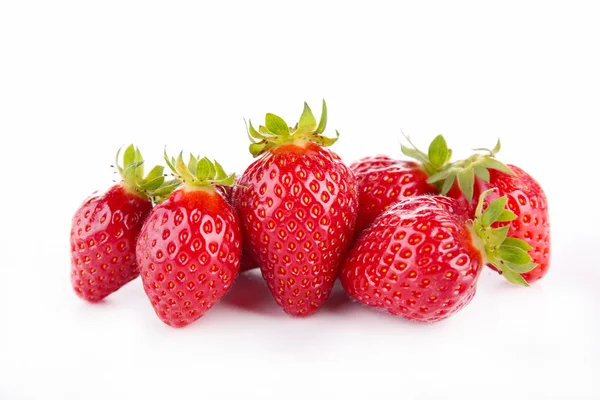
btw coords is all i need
(526, 199)
(247, 261)
(383, 181)
(298, 205)
(421, 259)
(105, 227)
(189, 248)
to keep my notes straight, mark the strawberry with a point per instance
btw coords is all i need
(422, 257)
(105, 227)
(383, 181)
(189, 247)
(298, 205)
(247, 262)
(526, 199)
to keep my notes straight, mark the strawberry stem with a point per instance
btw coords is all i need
(199, 172)
(276, 131)
(509, 255)
(437, 157)
(153, 185)
(465, 171)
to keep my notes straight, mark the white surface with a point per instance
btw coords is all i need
(77, 80)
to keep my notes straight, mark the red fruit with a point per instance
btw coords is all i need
(526, 199)
(298, 205)
(382, 182)
(421, 259)
(189, 248)
(528, 202)
(105, 227)
(247, 262)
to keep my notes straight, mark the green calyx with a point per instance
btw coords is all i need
(509, 255)
(465, 171)
(153, 185)
(199, 172)
(276, 131)
(436, 158)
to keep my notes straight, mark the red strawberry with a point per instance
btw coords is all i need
(247, 262)
(421, 259)
(189, 247)
(526, 200)
(383, 181)
(105, 227)
(298, 205)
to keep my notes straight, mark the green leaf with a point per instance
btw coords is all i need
(440, 175)
(129, 156)
(192, 163)
(449, 157)
(180, 164)
(506, 216)
(154, 173)
(513, 277)
(221, 174)
(152, 184)
(252, 132)
(264, 131)
(165, 190)
(118, 161)
(211, 169)
(203, 169)
(168, 186)
(183, 170)
(229, 181)
(139, 172)
(513, 254)
(480, 202)
(492, 163)
(496, 148)
(510, 241)
(417, 155)
(169, 160)
(497, 236)
(130, 172)
(307, 122)
(482, 173)
(493, 212)
(323, 120)
(518, 268)
(466, 181)
(438, 151)
(276, 125)
(448, 182)
(257, 148)
(326, 141)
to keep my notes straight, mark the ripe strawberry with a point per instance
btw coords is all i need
(383, 181)
(247, 261)
(105, 227)
(526, 199)
(298, 205)
(421, 259)
(189, 247)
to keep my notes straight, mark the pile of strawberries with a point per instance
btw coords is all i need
(409, 237)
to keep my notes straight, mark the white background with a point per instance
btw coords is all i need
(79, 79)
